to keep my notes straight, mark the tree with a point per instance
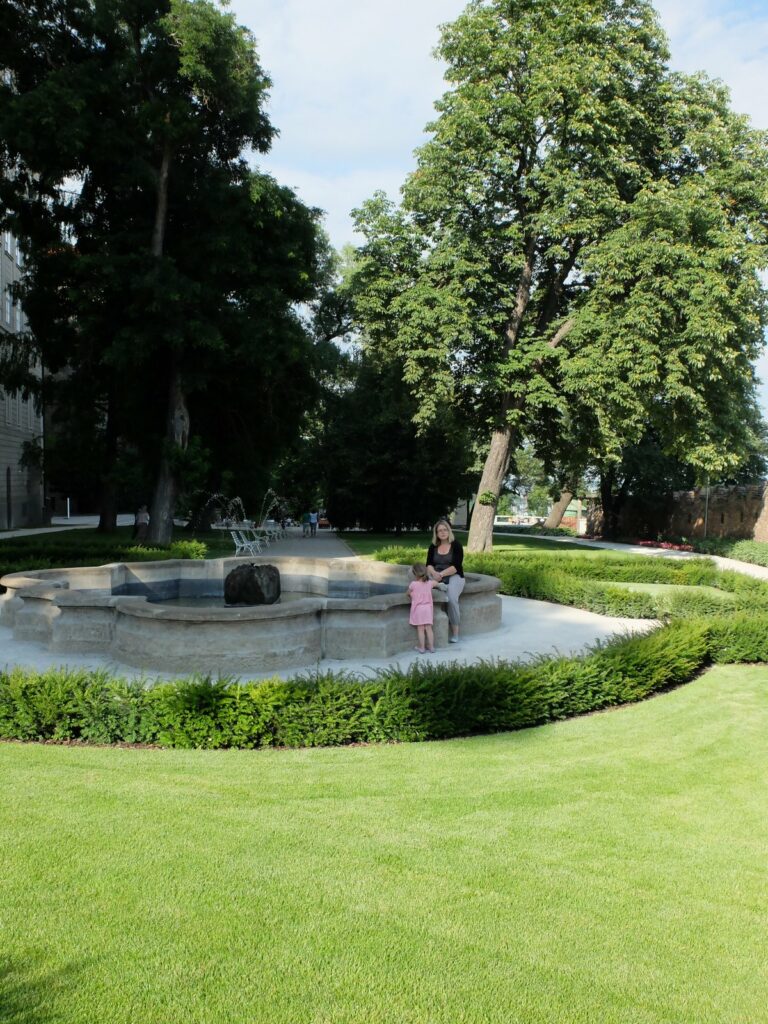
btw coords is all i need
(165, 274)
(381, 473)
(504, 279)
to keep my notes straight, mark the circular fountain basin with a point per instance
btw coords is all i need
(342, 608)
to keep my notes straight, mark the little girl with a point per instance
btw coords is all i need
(422, 608)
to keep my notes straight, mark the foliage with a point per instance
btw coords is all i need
(536, 531)
(379, 471)
(49, 552)
(162, 272)
(188, 549)
(589, 581)
(427, 702)
(753, 551)
(577, 253)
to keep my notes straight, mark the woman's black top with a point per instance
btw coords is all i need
(455, 557)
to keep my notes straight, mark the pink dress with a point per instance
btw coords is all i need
(421, 603)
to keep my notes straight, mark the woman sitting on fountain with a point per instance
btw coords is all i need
(445, 563)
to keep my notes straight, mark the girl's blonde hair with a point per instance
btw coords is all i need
(442, 522)
(419, 571)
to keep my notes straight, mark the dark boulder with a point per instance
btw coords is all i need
(252, 584)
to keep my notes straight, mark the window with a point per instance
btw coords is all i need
(8, 242)
(8, 304)
(17, 306)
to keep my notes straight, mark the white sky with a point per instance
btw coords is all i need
(354, 82)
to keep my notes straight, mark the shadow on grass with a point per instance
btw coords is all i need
(29, 993)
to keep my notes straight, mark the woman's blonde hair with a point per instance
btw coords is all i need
(442, 522)
(419, 571)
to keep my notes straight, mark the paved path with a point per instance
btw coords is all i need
(325, 544)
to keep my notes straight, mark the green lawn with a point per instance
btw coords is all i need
(367, 543)
(605, 869)
(673, 588)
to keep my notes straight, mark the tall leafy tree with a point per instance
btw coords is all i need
(564, 160)
(379, 471)
(163, 270)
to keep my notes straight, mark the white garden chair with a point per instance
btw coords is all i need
(246, 542)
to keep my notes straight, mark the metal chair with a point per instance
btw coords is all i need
(246, 542)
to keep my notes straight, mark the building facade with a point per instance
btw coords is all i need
(21, 488)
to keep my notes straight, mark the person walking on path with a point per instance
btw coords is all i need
(313, 524)
(141, 525)
(305, 525)
(422, 608)
(445, 564)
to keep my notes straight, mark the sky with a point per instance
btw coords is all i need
(354, 82)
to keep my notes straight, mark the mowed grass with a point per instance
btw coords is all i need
(605, 869)
(366, 544)
(673, 588)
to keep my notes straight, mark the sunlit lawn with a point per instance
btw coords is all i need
(609, 869)
(367, 543)
(674, 588)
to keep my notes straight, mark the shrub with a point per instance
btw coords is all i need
(740, 638)
(20, 554)
(587, 580)
(425, 702)
(188, 549)
(536, 531)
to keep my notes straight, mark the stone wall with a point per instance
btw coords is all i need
(735, 511)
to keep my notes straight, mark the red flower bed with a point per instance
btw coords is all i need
(667, 545)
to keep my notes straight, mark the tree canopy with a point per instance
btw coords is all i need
(577, 251)
(163, 270)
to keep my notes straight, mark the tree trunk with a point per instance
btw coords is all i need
(161, 202)
(555, 516)
(108, 495)
(494, 471)
(166, 488)
(177, 415)
(612, 502)
(497, 461)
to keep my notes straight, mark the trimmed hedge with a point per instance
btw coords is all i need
(535, 531)
(427, 702)
(24, 555)
(586, 580)
(754, 551)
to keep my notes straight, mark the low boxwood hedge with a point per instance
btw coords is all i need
(23, 556)
(425, 702)
(754, 551)
(587, 580)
